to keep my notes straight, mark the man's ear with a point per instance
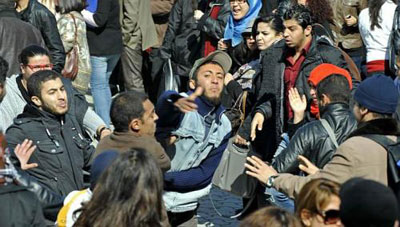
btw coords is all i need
(36, 100)
(325, 99)
(308, 30)
(192, 84)
(135, 125)
(305, 217)
(363, 111)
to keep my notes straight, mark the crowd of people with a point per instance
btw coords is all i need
(306, 85)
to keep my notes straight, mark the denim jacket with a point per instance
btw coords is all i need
(195, 141)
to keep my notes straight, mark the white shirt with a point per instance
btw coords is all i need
(377, 41)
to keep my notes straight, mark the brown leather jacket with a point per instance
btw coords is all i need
(348, 36)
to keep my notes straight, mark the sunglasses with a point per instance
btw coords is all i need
(39, 67)
(330, 216)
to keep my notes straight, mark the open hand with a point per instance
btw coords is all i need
(259, 169)
(306, 166)
(23, 152)
(222, 45)
(257, 122)
(298, 104)
(188, 104)
(239, 140)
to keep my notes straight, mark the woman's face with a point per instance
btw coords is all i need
(324, 220)
(250, 42)
(266, 36)
(239, 8)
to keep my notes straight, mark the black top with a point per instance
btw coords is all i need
(107, 38)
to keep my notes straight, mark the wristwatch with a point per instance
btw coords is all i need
(270, 181)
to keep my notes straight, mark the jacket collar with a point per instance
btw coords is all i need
(385, 126)
(207, 108)
(8, 13)
(336, 108)
(31, 111)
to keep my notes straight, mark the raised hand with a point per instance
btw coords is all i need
(298, 104)
(257, 122)
(306, 166)
(188, 104)
(23, 152)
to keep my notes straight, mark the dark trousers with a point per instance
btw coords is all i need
(184, 219)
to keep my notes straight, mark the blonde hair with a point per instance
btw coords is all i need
(316, 195)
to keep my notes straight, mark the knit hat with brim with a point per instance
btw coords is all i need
(367, 203)
(378, 94)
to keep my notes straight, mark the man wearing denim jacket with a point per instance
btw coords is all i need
(194, 131)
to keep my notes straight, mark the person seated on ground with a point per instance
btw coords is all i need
(73, 203)
(195, 132)
(134, 120)
(318, 203)
(359, 156)
(35, 58)
(271, 217)
(128, 193)
(19, 207)
(62, 152)
(368, 203)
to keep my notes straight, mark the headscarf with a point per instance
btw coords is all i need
(234, 29)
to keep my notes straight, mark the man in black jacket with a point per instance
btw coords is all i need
(39, 16)
(330, 89)
(62, 152)
(302, 53)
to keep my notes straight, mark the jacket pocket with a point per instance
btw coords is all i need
(49, 155)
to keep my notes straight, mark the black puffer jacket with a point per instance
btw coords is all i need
(40, 17)
(185, 38)
(313, 142)
(62, 151)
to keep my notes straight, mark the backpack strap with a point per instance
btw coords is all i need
(393, 149)
(330, 132)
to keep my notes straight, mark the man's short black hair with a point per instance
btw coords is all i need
(3, 70)
(36, 80)
(126, 107)
(301, 14)
(336, 87)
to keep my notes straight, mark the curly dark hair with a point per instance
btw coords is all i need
(321, 10)
(3, 70)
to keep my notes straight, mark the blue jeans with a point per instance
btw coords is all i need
(102, 67)
(279, 199)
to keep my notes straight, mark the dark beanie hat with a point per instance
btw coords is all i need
(100, 164)
(378, 94)
(367, 203)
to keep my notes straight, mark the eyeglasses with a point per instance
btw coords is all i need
(240, 2)
(330, 216)
(40, 67)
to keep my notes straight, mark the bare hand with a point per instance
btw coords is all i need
(23, 152)
(105, 133)
(257, 122)
(350, 20)
(306, 166)
(222, 45)
(259, 169)
(228, 78)
(198, 14)
(298, 104)
(239, 140)
(188, 104)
